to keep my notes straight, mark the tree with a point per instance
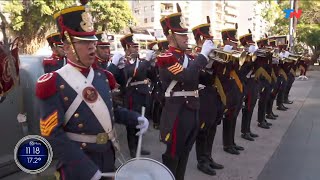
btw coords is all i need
(32, 20)
(308, 28)
(112, 16)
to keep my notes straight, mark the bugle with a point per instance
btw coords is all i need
(227, 56)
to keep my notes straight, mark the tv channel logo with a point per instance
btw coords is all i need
(290, 13)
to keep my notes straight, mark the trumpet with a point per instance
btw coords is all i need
(228, 56)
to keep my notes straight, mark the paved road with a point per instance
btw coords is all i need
(297, 157)
(284, 163)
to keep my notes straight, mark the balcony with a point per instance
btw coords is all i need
(231, 4)
(165, 12)
(166, 8)
(230, 11)
(230, 19)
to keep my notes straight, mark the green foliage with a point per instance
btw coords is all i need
(308, 26)
(112, 15)
(32, 20)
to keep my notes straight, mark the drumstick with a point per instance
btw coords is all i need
(143, 110)
(109, 174)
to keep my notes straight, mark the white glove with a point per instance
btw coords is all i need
(143, 125)
(227, 48)
(97, 175)
(150, 55)
(207, 47)
(252, 49)
(286, 54)
(116, 58)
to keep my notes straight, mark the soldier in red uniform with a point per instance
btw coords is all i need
(57, 59)
(103, 50)
(207, 114)
(179, 74)
(76, 107)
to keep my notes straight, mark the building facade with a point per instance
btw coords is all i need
(223, 14)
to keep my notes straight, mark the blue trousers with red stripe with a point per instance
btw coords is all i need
(250, 100)
(184, 134)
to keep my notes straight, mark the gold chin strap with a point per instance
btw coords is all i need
(73, 48)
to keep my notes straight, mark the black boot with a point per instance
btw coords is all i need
(253, 135)
(270, 116)
(204, 166)
(281, 108)
(239, 148)
(263, 125)
(231, 150)
(171, 163)
(269, 124)
(215, 165)
(247, 136)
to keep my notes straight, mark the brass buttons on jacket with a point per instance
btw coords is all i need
(62, 86)
(80, 125)
(65, 98)
(76, 115)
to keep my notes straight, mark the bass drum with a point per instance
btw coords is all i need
(143, 169)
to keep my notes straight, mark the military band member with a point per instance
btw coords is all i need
(263, 74)
(163, 45)
(283, 77)
(76, 106)
(57, 59)
(234, 89)
(291, 73)
(103, 50)
(138, 77)
(179, 74)
(157, 91)
(303, 65)
(251, 87)
(208, 99)
(275, 85)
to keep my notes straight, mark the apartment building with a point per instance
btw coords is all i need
(250, 18)
(223, 14)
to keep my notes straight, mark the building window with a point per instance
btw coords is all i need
(152, 7)
(145, 20)
(145, 8)
(136, 11)
(152, 19)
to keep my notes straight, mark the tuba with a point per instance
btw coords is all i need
(228, 56)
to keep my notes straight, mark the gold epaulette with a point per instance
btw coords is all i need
(284, 75)
(273, 75)
(237, 79)
(262, 72)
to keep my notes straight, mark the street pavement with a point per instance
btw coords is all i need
(286, 151)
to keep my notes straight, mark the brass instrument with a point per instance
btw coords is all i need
(227, 56)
